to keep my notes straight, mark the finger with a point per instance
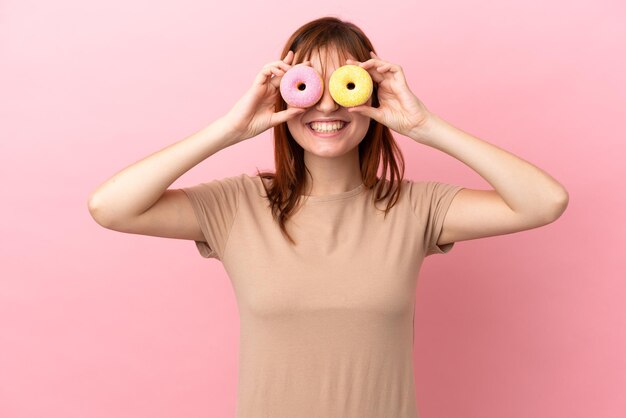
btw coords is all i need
(374, 56)
(275, 81)
(394, 68)
(289, 57)
(375, 60)
(376, 77)
(277, 71)
(372, 62)
(284, 63)
(278, 75)
(263, 76)
(266, 74)
(364, 64)
(385, 67)
(279, 64)
(308, 62)
(285, 115)
(370, 65)
(369, 111)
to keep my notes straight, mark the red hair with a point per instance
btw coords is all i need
(288, 182)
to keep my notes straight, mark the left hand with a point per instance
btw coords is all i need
(399, 109)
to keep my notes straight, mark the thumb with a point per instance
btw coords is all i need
(369, 111)
(285, 115)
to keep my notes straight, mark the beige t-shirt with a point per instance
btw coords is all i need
(327, 325)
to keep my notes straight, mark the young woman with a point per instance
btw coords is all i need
(324, 254)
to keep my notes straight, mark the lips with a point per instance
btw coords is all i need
(327, 127)
(326, 133)
(327, 120)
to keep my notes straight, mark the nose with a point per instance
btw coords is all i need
(326, 104)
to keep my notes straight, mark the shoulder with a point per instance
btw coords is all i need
(425, 194)
(416, 189)
(241, 182)
(252, 186)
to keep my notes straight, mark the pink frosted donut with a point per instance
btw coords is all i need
(301, 86)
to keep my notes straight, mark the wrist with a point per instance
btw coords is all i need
(228, 129)
(425, 130)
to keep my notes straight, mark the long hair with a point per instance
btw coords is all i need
(288, 182)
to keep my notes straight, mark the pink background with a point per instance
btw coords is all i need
(96, 323)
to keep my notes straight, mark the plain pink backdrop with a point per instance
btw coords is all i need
(96, 323)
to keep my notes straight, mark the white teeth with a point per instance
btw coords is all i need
(327, 127)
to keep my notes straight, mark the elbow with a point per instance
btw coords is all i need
(95, 212)
(558, 208)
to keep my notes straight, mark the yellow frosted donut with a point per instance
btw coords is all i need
(350, 85)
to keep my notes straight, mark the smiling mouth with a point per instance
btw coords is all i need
(342, 125)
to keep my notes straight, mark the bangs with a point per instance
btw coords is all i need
(327, 55)
(329, 46)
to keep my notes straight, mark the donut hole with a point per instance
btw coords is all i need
(351, 86)
(301, 86)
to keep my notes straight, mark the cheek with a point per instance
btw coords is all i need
(295, 122)
(296, 128)
(362, 118)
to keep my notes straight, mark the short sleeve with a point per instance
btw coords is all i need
(215, 205)
(431, 200)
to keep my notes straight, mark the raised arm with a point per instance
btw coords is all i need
(121, 201)
(137, 199)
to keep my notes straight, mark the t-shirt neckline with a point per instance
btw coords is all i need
(336, 196)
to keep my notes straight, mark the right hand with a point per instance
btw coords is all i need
(254, 112)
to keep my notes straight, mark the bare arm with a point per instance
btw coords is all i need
(132, 191)
(137, 199)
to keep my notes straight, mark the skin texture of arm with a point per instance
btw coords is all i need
(525, 197)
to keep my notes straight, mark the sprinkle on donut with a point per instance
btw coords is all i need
(350, 85)
(301, 86)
